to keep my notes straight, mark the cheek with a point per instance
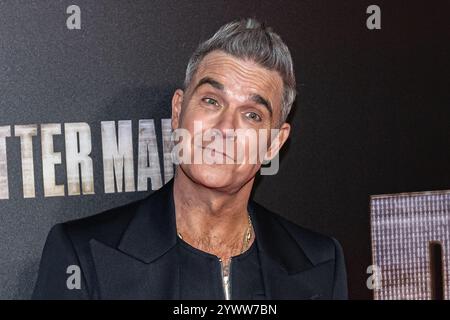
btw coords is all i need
(195, 114)
(254, 146)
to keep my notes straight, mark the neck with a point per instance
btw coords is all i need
(211, 220)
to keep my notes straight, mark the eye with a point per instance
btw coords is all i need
(211, 101)
(253, 116)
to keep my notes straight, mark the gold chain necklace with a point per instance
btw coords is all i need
(247, 235)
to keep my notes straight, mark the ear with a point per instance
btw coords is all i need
(177, 101)
(278, 141)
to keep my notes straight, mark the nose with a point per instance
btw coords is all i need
(226, 122)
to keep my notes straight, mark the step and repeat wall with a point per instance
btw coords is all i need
(75, 76)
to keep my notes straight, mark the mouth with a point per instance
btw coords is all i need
(214, 151)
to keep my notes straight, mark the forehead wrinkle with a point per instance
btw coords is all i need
(242, 81)
(249, 75)
(243, 96)
(240, 66)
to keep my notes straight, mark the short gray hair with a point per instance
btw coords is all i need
(249, 39)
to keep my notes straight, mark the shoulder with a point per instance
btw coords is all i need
(69, 244)
(318, 247)
(107, 226)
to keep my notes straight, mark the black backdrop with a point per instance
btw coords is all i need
(372, 115)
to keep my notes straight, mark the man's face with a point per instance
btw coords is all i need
(228, 93)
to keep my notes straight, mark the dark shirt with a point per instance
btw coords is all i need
(201, 274)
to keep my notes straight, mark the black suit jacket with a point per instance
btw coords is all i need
(124, 253)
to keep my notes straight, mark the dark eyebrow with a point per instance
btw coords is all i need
(262, 101)
(207, 80)
(216, 84)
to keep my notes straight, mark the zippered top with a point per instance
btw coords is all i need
(225, 271)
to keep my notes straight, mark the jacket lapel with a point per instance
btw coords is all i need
(133, 270)
(121, 276)
(287, 271)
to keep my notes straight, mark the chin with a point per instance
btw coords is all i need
(221, 177)
(212, 176)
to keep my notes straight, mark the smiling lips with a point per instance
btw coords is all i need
(214, 150)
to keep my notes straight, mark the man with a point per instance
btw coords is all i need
(200, 236)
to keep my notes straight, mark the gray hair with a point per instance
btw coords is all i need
(250, 39)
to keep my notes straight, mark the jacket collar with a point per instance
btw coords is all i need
(152, 232)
